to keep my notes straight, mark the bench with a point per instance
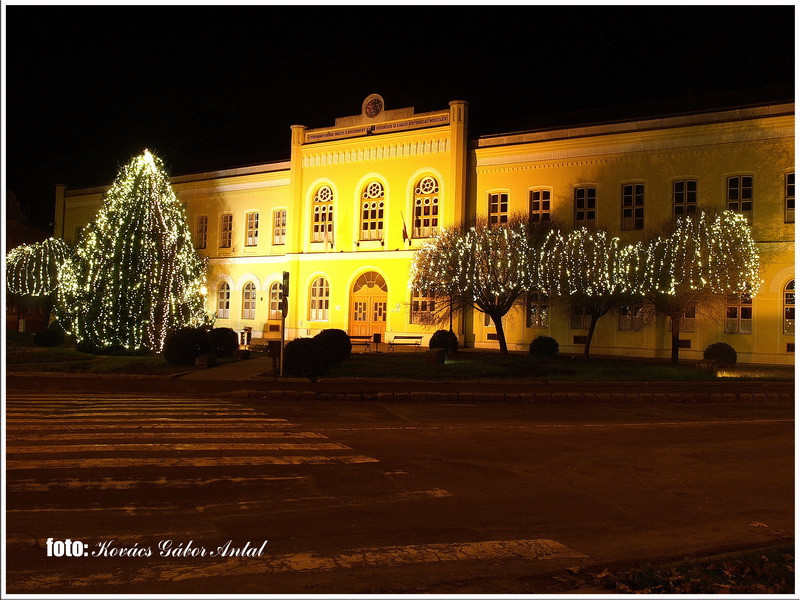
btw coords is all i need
(406, 340)
(364, 341)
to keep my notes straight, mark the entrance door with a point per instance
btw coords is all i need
(368, 305)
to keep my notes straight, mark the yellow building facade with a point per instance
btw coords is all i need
(345, 214)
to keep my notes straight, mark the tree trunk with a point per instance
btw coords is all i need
(501, 336)
(589, 335)
(675, 328)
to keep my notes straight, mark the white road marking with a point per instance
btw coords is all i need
(176, 447)
(162, 435)
(30, 485)
(141, 425)
(166, 462)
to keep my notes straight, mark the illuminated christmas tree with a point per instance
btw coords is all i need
(135, 274)
(32, 269)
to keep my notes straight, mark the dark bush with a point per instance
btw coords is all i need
(86, 346)
(543, 346)
(444, 339)
(49, 337)
(722, 353)
(184, 345)
(335, 344)
(305, 357)
(224, 341)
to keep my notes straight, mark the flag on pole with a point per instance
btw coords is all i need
(405, 231)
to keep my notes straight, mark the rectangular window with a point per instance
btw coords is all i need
(739, 314)
(537, 315)
(426, 216)
(498, 209)
(226, 231)
(580, 319)
(251, 237)
(279, 227)
(585, 206)
(740, 195)
(202, 232)
(789, 194)
(539, 206)
(684, 197)
(422, 308)
(630, 317)
(689, 320)
(632, 206)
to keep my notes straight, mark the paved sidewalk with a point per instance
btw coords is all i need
(241, 370)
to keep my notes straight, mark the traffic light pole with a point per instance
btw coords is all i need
(284, 312)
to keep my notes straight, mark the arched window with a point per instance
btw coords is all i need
(320, 296)
(224, 301)
(372, 199)
(426, 208)
(788, 308)
(249, 300)
(322, 228)
(275, 293)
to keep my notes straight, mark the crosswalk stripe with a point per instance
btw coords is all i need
(139, 425)
(29, 485)
(176, 447)
(167, 462)
(164, 435)
(178, 419)
(155, 415)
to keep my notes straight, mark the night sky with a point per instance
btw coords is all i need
(214, 87)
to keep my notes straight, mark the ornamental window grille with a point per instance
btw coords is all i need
(580, 317)
(320, 298)
(740, 195)
(632, 206)
(423, 306)
(539, 206)
(739, 314)
(202, 232)
(789, 198)
(689, 319)
(251, 234)
(224, 301)
(322, 227)
(372, 204)
(630, 317)
(249, 301)
(684, 197)
(279, 227)
(537, 314)
(788, 308)
(275, 297)
(426, 208)
(226, 231)
(498, 208)
(585, 202)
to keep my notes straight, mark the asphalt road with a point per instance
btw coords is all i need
(364, 497)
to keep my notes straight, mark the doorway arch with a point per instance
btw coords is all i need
(368, 305)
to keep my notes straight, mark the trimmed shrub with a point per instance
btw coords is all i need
(223, 341)
(444, 338)
(335, 344)
(86, 347)
(722, 353)
(543, 346)
(184, 345)
(49, 337)
(305, 357)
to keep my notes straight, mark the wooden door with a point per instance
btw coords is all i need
(368, 305)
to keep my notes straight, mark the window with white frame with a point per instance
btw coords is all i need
(202, 232)
(275, 297)
(537, 313)
(788, 308)
(279, 227)
(789, 198)
(224, 301)
(320, 297)
(322, 226)
(249, 301)
(498, 208)
(580, 318)
(423, 306)
(684, 197)
(539, 206)
(630, 317)
(251, 235)
(585, 202)
(739, 314)
(740, 195)
(372, 204)
(632, 206)
(426, 208)
(226, 231)
(689, 319)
